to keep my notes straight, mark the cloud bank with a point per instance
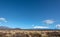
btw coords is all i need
(49, 21)
(40, 27)
(58, 26)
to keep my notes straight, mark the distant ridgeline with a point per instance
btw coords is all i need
(8, 28)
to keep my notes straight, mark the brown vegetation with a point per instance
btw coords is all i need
(26, 33)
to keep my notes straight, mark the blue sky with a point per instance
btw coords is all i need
(30, 13)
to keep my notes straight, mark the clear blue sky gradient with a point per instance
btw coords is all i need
(25, 13)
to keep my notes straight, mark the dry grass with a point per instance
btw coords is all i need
(26, 33)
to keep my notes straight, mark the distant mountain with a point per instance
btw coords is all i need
(17, 28)
(8, 28)
(4, 27)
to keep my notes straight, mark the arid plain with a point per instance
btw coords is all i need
(29, 33)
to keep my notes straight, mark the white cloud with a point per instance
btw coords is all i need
(58, 26)
(49, 21)
(40, 27)
(3, 20)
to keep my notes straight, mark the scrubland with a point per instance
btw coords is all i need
(29, 33)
